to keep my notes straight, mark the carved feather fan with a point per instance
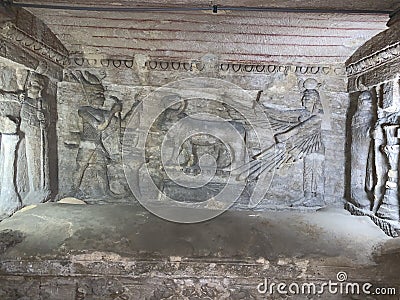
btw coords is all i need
(291, 145)
(275, 121)
(279, 125)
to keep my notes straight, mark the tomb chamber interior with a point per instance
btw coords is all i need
(194, 150)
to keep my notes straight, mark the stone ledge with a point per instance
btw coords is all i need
(65, 251)
(389, 227)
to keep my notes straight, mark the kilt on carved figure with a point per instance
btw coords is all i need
(92, 154)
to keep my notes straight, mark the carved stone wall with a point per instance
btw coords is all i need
(275, 95)
(31, 62)
(374, 87)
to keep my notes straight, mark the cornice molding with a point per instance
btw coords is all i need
(16, 36)
(374, 60)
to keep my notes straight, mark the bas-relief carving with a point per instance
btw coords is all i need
(101, 130)
(201, 154)
(24, 120)
(299, 137)
(34, 122)
(362, 157)
(374, 182)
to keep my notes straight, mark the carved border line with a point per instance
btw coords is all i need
(104, 62)
(160, 65)
(26, 41)
(374, 60)
(198, 66)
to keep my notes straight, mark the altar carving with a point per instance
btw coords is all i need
(294, 127)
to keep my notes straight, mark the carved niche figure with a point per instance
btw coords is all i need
(389, 208)
(362, 156)
(386, 152)
(379, 168)
(294, 141)
(95, 120)
(24, 114)
(34, 122)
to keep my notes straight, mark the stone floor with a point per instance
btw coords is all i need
(63, 251)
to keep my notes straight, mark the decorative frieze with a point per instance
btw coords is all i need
(100, 62)
(199, 66)
(174, 65)
(238, 67)
(380, 57)
(26, 41)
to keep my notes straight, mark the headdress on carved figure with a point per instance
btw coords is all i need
(311, 93)
(36, 81)
(90, 83)
(364, 99)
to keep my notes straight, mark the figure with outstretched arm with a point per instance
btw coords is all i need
(300, 141)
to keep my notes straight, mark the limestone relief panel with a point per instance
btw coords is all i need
(282, 130)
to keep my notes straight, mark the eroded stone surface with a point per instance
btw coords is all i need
(9, 238)
(102, 252)
(285, 98)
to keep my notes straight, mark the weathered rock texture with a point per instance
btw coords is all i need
(127, 63)
(368, 5)
(277, 79)
(123, 252)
